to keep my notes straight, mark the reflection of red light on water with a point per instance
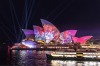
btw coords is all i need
(8, 51)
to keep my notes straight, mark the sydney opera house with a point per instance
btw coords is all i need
(49, 34)
(50, 41)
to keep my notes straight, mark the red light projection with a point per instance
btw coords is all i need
(81, 40)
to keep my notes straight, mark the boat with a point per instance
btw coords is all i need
(91, 54)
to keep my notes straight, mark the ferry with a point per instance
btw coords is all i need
(80, 54)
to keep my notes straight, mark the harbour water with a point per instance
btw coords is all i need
(29, 58)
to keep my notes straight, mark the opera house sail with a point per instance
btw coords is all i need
(39, 33)
(81, 40)
(51, 32)
(28, 33)
(66, 36)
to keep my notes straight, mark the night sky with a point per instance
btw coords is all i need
(82, 15)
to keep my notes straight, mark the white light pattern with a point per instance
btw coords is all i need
(29, 43)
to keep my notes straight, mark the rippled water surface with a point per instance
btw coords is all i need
(33, 58)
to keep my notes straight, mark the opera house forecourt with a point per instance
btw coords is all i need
(60, 44)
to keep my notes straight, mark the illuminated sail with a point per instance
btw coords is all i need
(75, 39)
(39, 33)
(81, 40)
(28, 33)
(72, 32)
(67, 35)
(51, 32)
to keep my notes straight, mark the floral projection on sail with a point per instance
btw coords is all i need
(50, 31)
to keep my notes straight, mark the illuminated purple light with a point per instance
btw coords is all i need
(27, 31)
(29, 43)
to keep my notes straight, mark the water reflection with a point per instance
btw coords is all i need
(63, 63)
(38, 58)
(74, 63)
(27, 58)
